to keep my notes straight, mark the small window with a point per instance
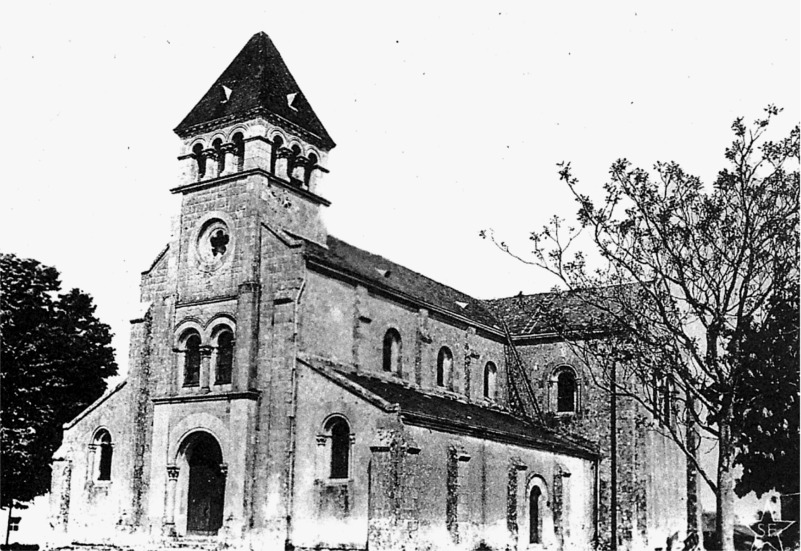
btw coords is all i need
(392, 343)
(444, 364)
(339, 431)
(104, 451)
(277, 144)
(192, 359)
(239, 151)
(220, 154)
(566, 392)
(312, 165)
(200, 159)
(490, 375)
(293, 163)
(534, 519)
(225, 357)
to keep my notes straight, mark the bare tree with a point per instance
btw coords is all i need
(685, 273)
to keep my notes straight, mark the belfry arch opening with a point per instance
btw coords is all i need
(205, 484)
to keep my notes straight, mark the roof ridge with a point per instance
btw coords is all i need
(415, 272)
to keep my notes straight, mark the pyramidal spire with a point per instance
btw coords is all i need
(257, 82)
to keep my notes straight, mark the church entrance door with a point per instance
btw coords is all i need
(206, 487)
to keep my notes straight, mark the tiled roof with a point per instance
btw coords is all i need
(386, 274)
(420, 408)
(543, 313)
(256, 80)
(451, 415)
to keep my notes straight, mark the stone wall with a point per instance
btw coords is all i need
(347, 323)
(651, 486)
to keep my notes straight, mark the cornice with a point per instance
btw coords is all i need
(213, 182)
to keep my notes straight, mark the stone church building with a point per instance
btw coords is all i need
(288, 390)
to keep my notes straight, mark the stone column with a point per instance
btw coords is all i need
(257, 153)
(228, 158)
(169, 509)
(205, 367)
(247, 328)
(60, 486)
(422, 337)
(91, 464)
(454, 501)
(212, 164)
(512, 492)
(282, 163)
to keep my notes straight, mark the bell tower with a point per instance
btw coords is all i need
(254, 124)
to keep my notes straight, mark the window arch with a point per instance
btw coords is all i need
(392, 349)
(104, 451)
(239, 150)
(278, 143)
(197, 151)
(338, 431)
(191, 350)
(490, 377)
(225, 356)
(535, 515)
(444, 364)
(313, 160)
(220, 154)
(293, 163)
(566, 391)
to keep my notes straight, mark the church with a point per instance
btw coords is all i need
(288, 390)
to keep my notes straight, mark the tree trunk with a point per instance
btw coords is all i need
(725, 495)
(694, 509)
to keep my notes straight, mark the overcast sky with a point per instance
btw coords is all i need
(448, 119)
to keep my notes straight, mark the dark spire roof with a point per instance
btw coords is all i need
(257, 82)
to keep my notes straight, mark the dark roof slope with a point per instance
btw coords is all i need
(543, 313)
(386, 274)
(259, 81)
(451, 415)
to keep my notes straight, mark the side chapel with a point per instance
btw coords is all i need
(288, 390)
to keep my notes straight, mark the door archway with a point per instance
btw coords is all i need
(206, 485)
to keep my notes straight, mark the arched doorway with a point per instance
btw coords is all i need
(206, 488)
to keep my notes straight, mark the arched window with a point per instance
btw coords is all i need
(392, 343)
(534, 515)
(313, 160)
(566, 391)
(104, 451)
(339, 432)
(278, 142)
(239, 150)
(444, 363)
(197, 151)
(192, 359)
(225, 357)
(490, 374)
(220, 154)
(293, 163)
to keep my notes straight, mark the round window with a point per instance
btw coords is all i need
(214, 242)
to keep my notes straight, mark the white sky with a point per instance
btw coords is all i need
(448, 119)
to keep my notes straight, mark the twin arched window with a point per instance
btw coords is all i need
(444, 365)
(104, 450)
(338, 431)
(392, 349)
(223, 345)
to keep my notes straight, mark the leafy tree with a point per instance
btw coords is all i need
(55, 358)
(767, 412)
(689, 282)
